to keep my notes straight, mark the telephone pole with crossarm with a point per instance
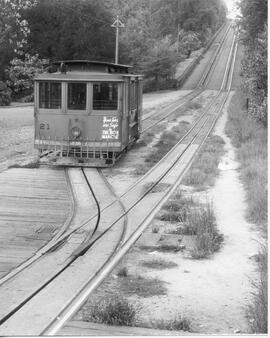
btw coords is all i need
(117, 24)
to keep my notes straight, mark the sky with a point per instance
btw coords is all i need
(231, 4)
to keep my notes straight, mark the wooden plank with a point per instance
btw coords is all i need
(34, 204)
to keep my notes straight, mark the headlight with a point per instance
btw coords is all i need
(76, 132)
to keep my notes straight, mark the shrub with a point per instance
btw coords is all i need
(5, 95)
(112, 311)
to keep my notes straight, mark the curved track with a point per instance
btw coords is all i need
(111, 238)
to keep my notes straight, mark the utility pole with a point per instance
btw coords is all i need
(117, 24)
(178, 33)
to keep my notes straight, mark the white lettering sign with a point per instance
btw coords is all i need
(110, 127)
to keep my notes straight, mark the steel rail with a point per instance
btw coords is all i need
(93, 283)
(72, 260)
(84, 248)
(210, 65)
(77, 301)
(201, 83)
(198, 132)
(68, 234)
(90, 286)
(58, 240)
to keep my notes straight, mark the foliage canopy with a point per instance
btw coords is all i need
(254, 64)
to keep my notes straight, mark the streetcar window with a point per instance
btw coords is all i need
(77, 96)
(105, 96)
(50, 95)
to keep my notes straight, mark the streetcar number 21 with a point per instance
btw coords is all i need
(44, 126)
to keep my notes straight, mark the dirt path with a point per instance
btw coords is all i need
(213, 292)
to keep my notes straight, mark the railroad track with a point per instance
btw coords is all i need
(150, 120)
(114, 234)
(155, 118)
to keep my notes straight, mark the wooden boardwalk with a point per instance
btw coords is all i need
(34, 204)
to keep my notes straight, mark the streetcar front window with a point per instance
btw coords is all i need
(77, 96)
(50, 95)
(105, 96)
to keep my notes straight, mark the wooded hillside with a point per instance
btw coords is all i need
(81, 29)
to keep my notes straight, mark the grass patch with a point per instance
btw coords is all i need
(176, 210)
(111, 311)
(193, 105)
(159, 264)
(172, 206)
(257, 311)
(250, 139)
(122, 272)
(177, 324)
(142, 287)
(202, 224)
(183, 229)
(174, 216)
(167, 140)
(204, 168)
(141, 169)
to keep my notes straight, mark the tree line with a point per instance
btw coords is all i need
(253, 29)
(81, 29)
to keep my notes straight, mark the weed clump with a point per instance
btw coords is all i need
(177, 324)
(155, 230)
(123, 272)
(112, 311)
(202, 223)
(257, 311)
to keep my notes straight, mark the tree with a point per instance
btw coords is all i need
(74, 29)
(161, 61)
(13, 30)
(21, 73)
(254, 64)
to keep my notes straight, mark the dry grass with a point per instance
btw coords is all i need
(113, 310)
(141, 286)
(177, 209)
(257, 311)
(202, 223)
(250, 140)
(167, 140)
(177, 324)
(204, 168)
